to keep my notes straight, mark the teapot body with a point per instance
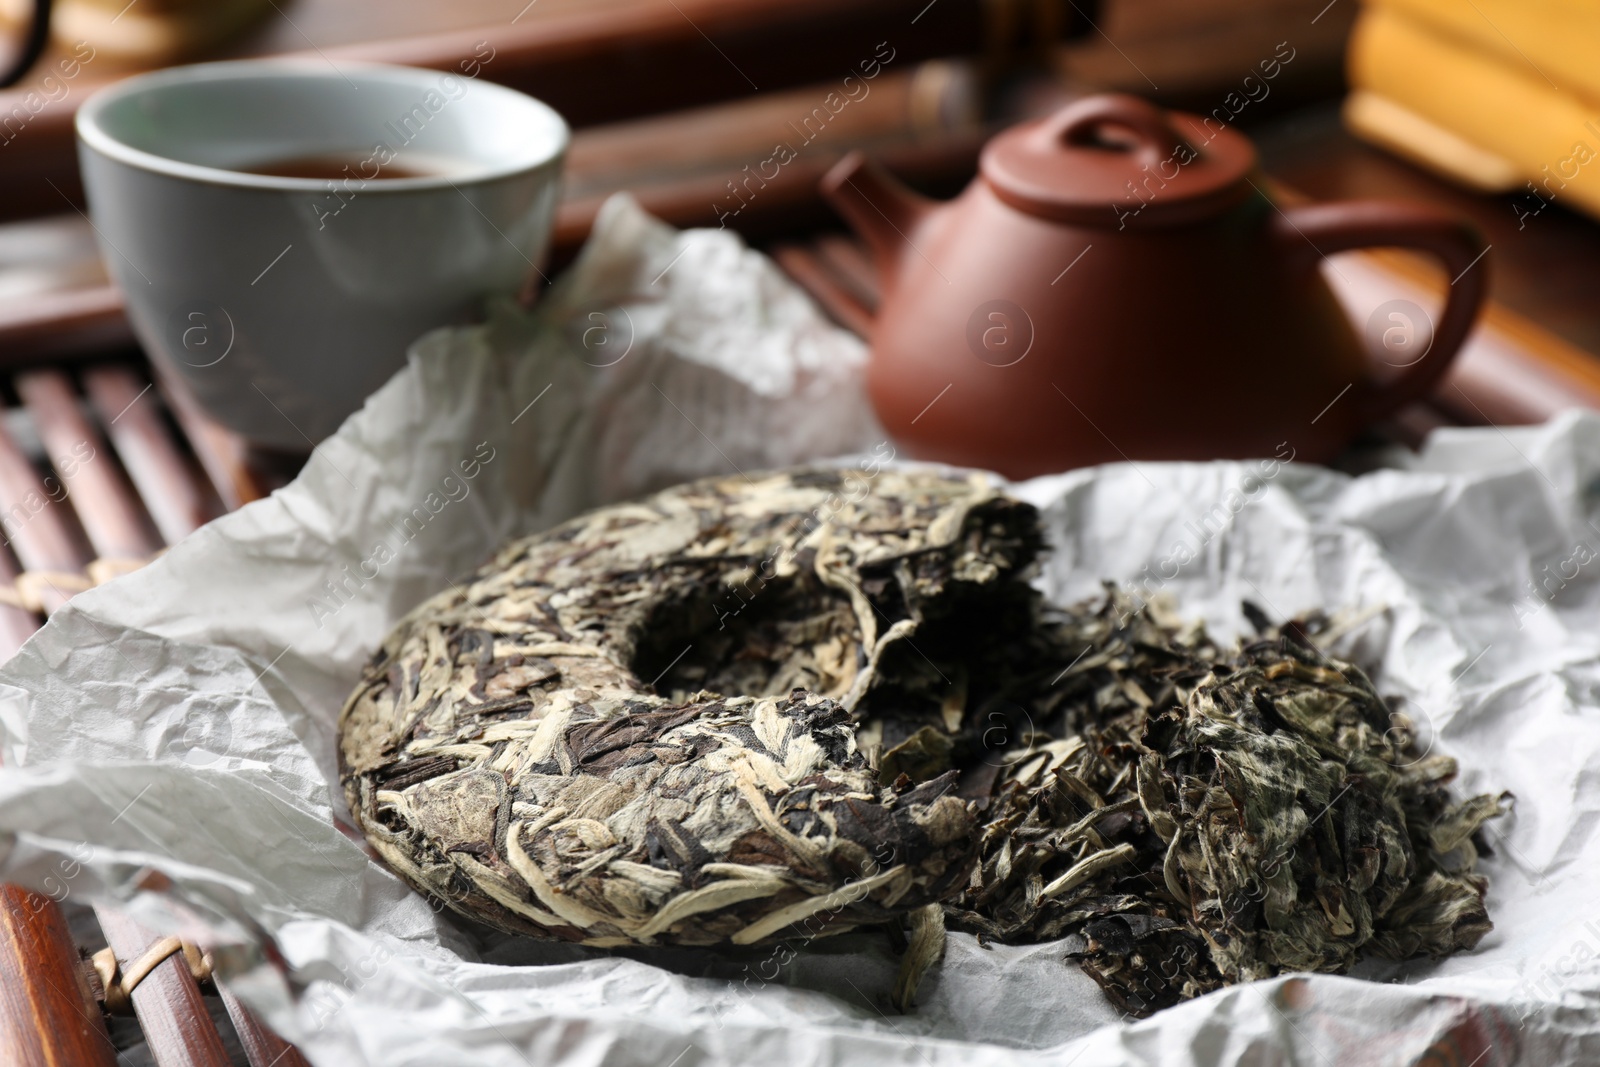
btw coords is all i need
(1027, 345)
(1115, 285)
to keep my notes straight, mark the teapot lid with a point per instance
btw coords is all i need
(1114, 158)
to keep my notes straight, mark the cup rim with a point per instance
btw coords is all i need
(92, 134)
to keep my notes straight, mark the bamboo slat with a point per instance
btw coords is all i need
(97, 489)
(171, 1011)
(39, 526)
(224, 457)
(90, 496)
(16, 624)
(48, 1017)
(818, 278)
(129, 408)
(262, 1047)
(851, 266)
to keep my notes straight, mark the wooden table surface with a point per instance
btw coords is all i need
(301, 25)
(326, 23)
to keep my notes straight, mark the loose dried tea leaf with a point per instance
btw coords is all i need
(636, 728)
(1219, 819)
(924, 949)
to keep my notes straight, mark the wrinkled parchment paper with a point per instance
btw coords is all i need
(169, 738)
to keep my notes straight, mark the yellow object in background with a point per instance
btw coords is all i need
(1408, 134)
(1557, 41)
(146, 32)
(1506, 110)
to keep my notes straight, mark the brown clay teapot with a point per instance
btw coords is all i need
(1115, 285)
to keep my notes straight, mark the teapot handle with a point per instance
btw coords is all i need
(1314, 231)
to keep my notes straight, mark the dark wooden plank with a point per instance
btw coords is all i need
(98, 491)
(602, 63)
(812, 274)
(331, 23)
(789, 205)
(48, 1017)
(740, 138)
(129, 409)
(65, 324)
(262, 1047)
(593, 62)
(171, 1010)
(851, 264)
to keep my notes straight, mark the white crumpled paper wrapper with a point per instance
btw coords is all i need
(169, 738)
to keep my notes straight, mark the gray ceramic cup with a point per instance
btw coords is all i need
(284, 302)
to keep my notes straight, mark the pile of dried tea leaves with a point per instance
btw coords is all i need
(1191, 818)
(794, 704)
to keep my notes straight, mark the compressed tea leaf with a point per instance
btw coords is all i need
(1221, 819)
(636, 728)
(802, 703)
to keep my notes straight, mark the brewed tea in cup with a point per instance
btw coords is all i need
(282, 231)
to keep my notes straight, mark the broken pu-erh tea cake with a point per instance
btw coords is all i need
(796, 704)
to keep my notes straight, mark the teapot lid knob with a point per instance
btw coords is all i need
(1114, 159)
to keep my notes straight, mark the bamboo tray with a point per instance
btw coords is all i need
(148, 468)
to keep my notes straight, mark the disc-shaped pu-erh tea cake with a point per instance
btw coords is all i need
(637, 727)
